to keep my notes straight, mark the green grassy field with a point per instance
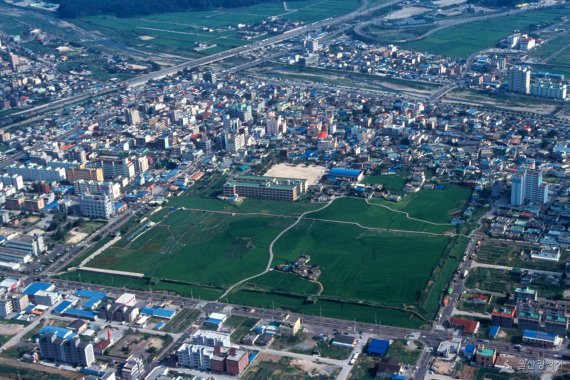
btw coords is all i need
(369, 272)
(357, 210)
(200, 247)
(377, 265)
(463, 40)
(436, 206)
(393, 183)
(179, 32)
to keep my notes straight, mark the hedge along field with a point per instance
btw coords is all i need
(199, 247)
(357, 264)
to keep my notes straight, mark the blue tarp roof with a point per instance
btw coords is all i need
(345, 172)
(35, 287)
(91, 303)
(470, 348)
(212, 321)
(493, 331)
(378, 346)
(159, 325)
(58, 331)
(77, 313)
(90, 294)
(539, 335)
(29, 308)
(158, 312)
(61, 307)
(52, 206)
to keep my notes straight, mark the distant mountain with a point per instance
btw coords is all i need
(133, 8)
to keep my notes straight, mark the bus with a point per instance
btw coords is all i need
(353, 359)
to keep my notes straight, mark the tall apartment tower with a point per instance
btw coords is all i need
(132, 117)
(528, 187)
(519, 79)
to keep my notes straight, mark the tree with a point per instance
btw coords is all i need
(59, 234)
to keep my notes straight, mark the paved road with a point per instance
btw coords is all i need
(143, 79)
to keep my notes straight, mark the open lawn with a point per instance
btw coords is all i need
(201, 253)
(463, 40)
(373, 215)
(377, 265)
(436, 206)
(180, 32)
(198, 247)
(283, 282)
(332, 309)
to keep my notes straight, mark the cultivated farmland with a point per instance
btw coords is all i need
(179, 32)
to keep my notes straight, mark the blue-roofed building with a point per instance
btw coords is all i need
(378, 347)
(213, 322)
(78, 313)
(158, 312)
(159, 326)
(94, 298)
(345, 174)
(469, 351)
(60, 332)
(494, 331)
(63, 305)
(542, 339)
(35, 287)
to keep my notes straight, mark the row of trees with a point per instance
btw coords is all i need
(133, 8)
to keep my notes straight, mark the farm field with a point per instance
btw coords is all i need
(388, 259)
(512, 255)
(463, 40)
(179, 32)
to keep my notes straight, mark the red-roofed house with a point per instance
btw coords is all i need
(468, 326)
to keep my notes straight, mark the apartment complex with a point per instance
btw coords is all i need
(64, 346)
(96, 206)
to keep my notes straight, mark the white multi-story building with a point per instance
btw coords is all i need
(111, 189)
(6, 307)
(528, 187)
(14, 180)
(211, 338)
(33, 172)
(195, 356)
(32, 244)
(96, 206)
(276, 126)
(519, 79)
(550, 90)
(114, 167)
(233, 142)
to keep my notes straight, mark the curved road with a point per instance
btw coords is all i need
(359, 29)
(268, 267)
